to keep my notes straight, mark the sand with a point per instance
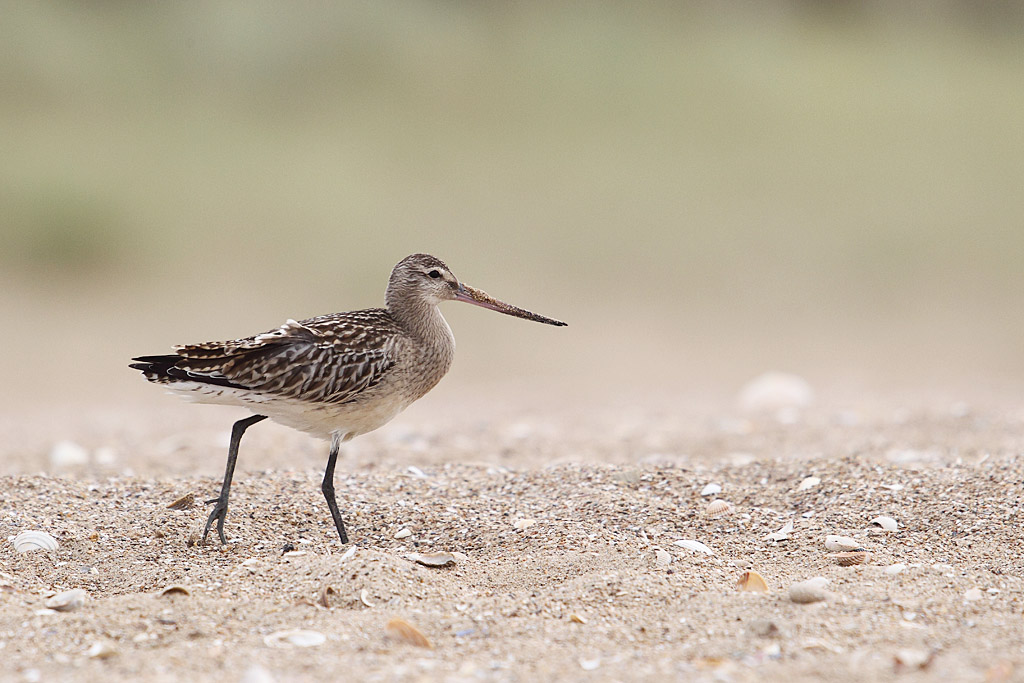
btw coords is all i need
(565, 528)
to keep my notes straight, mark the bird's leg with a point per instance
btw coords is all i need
(220, 510)
(328, 486)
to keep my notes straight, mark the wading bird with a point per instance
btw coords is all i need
(334, 376)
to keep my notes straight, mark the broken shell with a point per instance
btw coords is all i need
(404, 532)
(662, 558)
(752, 581)
(28, 541)
(970, 595)
(894, 569)
(432, 559)
(782, 534)
(175, 589)
(711, 489)
(400, 629)
(296, 637)
(848, 559)
(577, 619)
(323, 598)
(808, 483)
(347, 554)
(718, 508)
(909, 659)
(184, 503)
(887, 523)
(101, 650)
(68, 600)
(523, 524)
(841, 543)
(695, 546)
(364, 597)
(811, 590)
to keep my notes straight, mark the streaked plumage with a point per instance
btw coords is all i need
(334, 376)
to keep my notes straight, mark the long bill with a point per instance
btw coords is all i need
(485, 300)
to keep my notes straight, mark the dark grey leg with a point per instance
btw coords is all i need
(328, 488)
(220, 510)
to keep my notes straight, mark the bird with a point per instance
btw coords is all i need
(334, 376)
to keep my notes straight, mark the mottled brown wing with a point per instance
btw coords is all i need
(331, 359)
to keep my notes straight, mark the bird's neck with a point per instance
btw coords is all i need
(422, 320)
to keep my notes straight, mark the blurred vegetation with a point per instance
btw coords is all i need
(778, 157)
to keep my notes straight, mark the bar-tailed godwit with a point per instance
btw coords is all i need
(334, 376)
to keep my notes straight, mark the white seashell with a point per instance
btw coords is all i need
(590, 664)
(774, 391)
(68, 454)
(364, 597)
(808, 483)
(67, 600)
(404, 532)
(841, 543)
(711, 489)
(662, 558)
(101, 650)
(718, 508)
(523, 524)
(296, 637)
(972, 594)
(433, 559)
(782, 534)
(887, 523)
(894, 569)
(347, 554)
(695, 546)
(28, 541)
(811, 590)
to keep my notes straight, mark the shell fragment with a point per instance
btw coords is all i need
(838, 544)
(68, 600)
(433, 559)
(782, 534)
(853, 557)
(402, 630)
(753, 582)
(295, 637)
(695, 546)
(711, 490)
(808, 483)
(887, 523)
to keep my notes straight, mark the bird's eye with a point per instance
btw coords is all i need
(434, 274)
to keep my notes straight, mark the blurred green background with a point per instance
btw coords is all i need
(702, 190)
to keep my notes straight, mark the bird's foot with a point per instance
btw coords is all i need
(219, 513)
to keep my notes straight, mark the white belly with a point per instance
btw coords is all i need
(321, 420)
